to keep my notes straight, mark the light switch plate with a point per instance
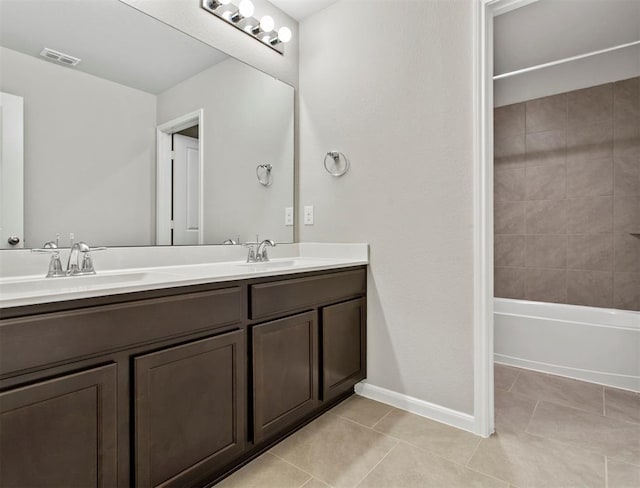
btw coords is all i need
(308, 215)
(288, 216)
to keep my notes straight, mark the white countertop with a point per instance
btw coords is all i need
(32, 289)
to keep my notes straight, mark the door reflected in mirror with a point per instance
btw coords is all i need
(152, 138)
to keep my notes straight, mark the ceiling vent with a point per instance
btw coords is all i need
(59, 57)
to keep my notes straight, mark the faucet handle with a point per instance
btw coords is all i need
(46, 250)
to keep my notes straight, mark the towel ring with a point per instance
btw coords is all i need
(333, 159)
(263, 173)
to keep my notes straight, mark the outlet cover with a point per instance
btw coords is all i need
(288, 216)
(308, 215)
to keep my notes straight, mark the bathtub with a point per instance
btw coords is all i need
(600, 345)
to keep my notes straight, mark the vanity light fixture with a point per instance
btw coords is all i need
(242, 18)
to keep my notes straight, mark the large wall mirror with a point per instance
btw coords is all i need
(152, 138)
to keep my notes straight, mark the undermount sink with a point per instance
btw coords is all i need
(12, 287)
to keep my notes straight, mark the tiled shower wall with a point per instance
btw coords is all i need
(567, 197)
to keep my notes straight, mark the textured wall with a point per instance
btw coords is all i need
(389, 83)
(567, 197)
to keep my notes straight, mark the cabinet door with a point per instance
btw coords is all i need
(285, 373)
(343, 347)
(190, 410)
(60, 432)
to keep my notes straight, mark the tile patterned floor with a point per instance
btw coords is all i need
(550, 432)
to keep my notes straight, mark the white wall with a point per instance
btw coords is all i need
(248, 120)
(549, 30)
(72, 167)
(187, 16)
(389, 83)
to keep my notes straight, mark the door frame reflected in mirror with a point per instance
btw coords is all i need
(164, 175)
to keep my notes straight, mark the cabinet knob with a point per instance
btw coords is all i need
(13, 240)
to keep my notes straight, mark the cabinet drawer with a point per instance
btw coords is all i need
(280, 297)
(39, 340)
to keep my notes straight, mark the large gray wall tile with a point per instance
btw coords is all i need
(546, 217)
(509, 151)
(508, 184)
(593, 141)
(626, 99)
(546, 251)
(546, 181)
(546, 285)
(508, 250)
(589, 215)
(546, 113)
(590, 288)
(626, 291)
(589, 105)
(567, 184)
(626, 214)
(626, 252)
(589, 178)
(546, 147)
(509, 282)
(508, 120)
(626, 177)
(509, 217)
(590, 251)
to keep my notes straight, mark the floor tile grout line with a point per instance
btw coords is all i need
(381, 419)
(358, 423)
(526, 429)
(365, 426)
(448, 460)
(376, 465)
(306, 482)
(583, 448)
(514, 380)
(299, 468)
(466, 465)
(581, 410)
(475, 470)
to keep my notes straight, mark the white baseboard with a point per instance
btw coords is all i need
(410, 404)
(607, 379)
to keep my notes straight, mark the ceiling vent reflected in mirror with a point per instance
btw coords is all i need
(58, 57)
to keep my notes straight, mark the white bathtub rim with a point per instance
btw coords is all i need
(621, 319)
(608, 380)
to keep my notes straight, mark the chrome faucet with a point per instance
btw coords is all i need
(258, 250)
(261, 251)
(83, 264)
(78, 264)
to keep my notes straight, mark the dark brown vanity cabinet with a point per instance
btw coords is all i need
(285, 373)
(343, 347)
(189, 410)
(173, 387)
(60, 432)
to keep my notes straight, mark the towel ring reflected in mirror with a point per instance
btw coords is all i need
(263, 173)
(336, 163)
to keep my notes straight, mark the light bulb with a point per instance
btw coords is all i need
(284, 34)
(246, 8)
(267, 24)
